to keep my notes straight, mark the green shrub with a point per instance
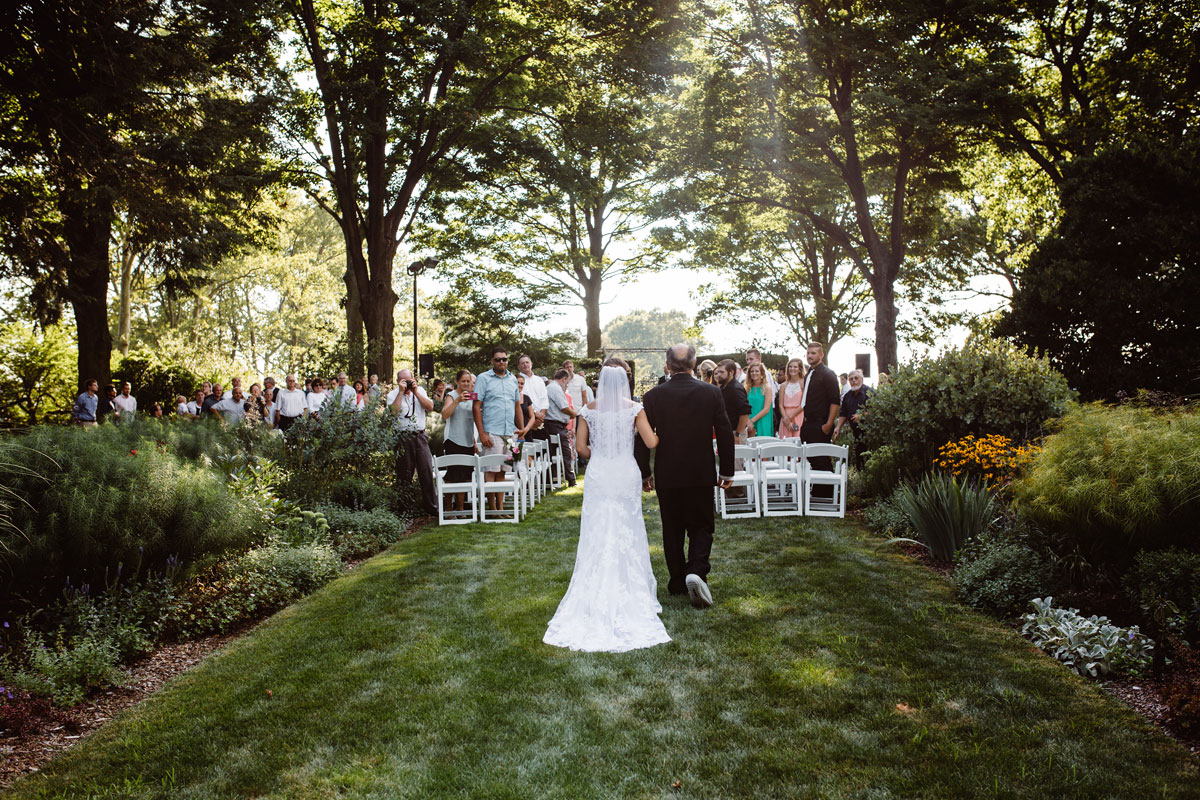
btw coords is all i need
(1089, 645)
(1118, 480)
(1165, 585)
(66, 670)
(101, 503)
(886, 518)
(153, 381)
(299, 526)
(128, 615)
(360, 494)
(987, 386)
(362, 533)
(305, 568)
(1000, 575)
(946, 512)
(880, 474)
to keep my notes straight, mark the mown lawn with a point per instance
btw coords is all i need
(825, 669)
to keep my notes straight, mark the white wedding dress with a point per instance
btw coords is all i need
(611, 604)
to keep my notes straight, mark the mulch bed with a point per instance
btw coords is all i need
(50, 730)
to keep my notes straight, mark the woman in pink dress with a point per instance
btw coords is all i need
(791, 392)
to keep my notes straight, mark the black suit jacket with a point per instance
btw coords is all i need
(685, 412)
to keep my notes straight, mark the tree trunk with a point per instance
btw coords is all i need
(354, 326)
(591, 307)
(89, 226)
(125, 322)
(885, 324)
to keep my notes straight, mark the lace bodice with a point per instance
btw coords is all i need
(610, 435)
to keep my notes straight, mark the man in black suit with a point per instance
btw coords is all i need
(822, 399)
(685, 412)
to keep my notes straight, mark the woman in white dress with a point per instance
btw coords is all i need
(611, 604)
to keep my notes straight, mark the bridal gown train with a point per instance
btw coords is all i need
(611, 604)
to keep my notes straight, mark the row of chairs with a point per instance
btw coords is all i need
(534, 474)
(776, 479)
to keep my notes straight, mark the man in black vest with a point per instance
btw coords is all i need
(685, 413)
(821, 400)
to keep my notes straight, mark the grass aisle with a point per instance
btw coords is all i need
(826, 669)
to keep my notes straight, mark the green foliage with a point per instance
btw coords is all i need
(887, 518)
(1165, 586)
(111, 497)
(880, 474)
(946, 512)
(1089, 645)
(362, 533)
(303, 568)
(1109, 296)
(152, 381)
(361, 494)
(66, 669)
(1118, 480)
(987, 386)
(1000, 574)
(37, 374)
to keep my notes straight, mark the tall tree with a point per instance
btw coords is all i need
(411, 100)
(809, 106)
(158, 109)
(562, 216)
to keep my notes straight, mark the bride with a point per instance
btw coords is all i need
(611, 604)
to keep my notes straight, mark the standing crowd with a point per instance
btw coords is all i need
(494, 411)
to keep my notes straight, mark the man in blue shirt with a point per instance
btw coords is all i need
(497, 411)
(84, 411)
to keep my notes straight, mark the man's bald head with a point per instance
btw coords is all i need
(681, 358)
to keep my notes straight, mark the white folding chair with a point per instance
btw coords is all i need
(836, 477)
(747, 478)
(780, 475)
(556, 462)
(755, 441)
(531, 469)
(446, 490)
(508, 485)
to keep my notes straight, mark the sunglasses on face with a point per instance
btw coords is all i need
(499, 360)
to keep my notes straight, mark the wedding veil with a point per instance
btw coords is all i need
(612, 394)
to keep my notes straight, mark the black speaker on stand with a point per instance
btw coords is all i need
(425, 365)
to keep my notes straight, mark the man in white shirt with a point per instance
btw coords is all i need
(558, 414)
(236, 383)
(409, 402)
(290, 404)
(232, 411)
(343, 393)
(577, 388)
(125, 404)
(753, 356)
(535, 387)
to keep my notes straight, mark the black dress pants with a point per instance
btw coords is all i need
(687, 512)
(414, 456)
(551, 428)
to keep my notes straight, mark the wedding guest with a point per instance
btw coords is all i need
(577, 388)
(231, 410)
(497, 409)
(290, 405)
(884, 379)
(705, 370)
(360, 394)
(206, 387)
(181, 406)
(762, 399)
(535, 387)
(737, 406)
(125, 404)
(791, 392)
(848, 413)
(374, 389)
(459, 436)
(822, 399)
(195, 406)
(256, 405)
(438, 393)
(156, 411)
(84, 410)
(316, 398)
(558, 414)
(777, 408)
(343, 393)
(843, 384)
(271, 391)
(234, 383)
(215, 396)
(409, 402)
(754, 356)
(525, 422)
(105, 410)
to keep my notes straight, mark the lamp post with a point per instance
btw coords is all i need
(415, 269)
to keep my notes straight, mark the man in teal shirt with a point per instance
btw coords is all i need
(497, 412)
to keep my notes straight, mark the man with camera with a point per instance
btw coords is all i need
(409, 402)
